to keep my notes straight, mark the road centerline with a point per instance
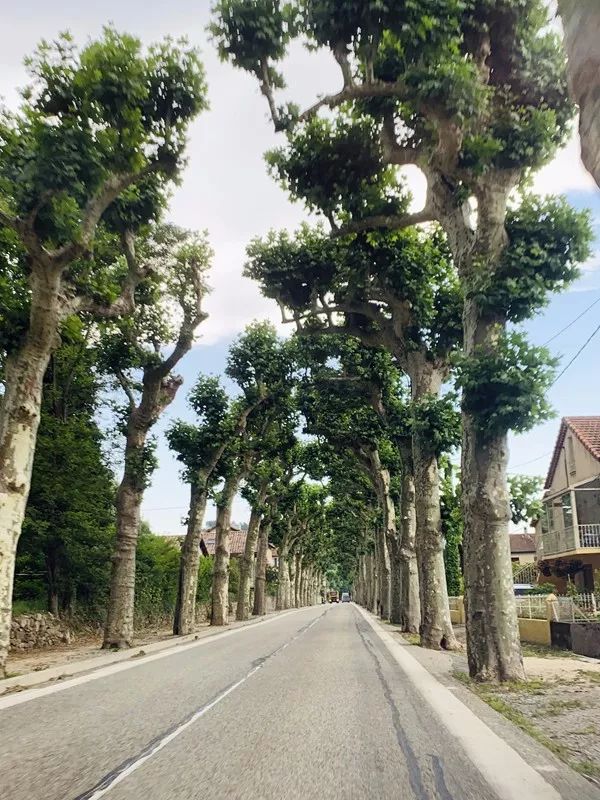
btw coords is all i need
(158, 743)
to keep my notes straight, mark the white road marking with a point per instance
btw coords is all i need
(10, 700)
(506, 772)
(135, 765)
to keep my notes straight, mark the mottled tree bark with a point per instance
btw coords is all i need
(581, 23)
(493, 641)
(297, 580)
(220, 582)
(388, 543)
(260, 580)
(283, 588)
(411, 599)
(19, 421)
(436, 625)
(185, 607)
(247, 560)
(158, 392)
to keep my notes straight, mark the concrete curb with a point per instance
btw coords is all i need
(105, 659)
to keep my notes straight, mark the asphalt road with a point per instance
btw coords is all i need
(306, 705)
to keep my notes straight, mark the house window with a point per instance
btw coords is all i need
(567, 510)
(547, 518)
(570, 456)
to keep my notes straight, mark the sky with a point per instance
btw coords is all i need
(227, 191)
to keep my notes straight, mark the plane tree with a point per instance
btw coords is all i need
(269, 479)
(261, 366)
(474, 95)
(396, 291)
(141, 352)
(88, 156)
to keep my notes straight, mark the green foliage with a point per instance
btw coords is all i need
(64, 551)
(205, 570)
(87, 114)
(505, 388)
(251, 35)
(436, 420)
(541, 588)
(156, 575)
(525, 497)
(547, 240)
(336, 167)
(452, 527)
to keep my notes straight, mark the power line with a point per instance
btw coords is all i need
(531, 460)
(577, 354)
(573, 321)
(562, 372)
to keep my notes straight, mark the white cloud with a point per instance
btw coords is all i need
(566, 172)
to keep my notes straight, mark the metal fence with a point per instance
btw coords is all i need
(579, 607)
(532, 607)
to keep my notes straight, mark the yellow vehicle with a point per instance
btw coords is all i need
(333, 597)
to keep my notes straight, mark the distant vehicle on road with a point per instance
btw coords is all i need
(333, 597)
(345, 597)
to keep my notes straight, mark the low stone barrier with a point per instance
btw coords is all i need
(28, 631)
(535, 631)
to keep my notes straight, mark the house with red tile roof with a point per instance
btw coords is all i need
(237, 544)
(568, 531)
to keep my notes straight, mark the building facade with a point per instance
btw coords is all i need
(568, 531)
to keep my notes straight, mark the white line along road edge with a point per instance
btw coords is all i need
(503, 769)
(26, 695)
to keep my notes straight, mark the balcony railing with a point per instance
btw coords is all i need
(573, 538)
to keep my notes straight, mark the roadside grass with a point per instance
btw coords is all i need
(544, 651)
(412, 638)
(589, 674)
(497, 696)
(556, 707)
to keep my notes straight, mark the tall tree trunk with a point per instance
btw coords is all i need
(260, 581)
(220, 581)
(297, 579)
(581, 23)
(436, 625)
(411, 598)
(388, 538)
(247, 560)
(185, 607)
(158, 392)
(289, 600)
(283, 587)
(374, 589)
(493, 642)
(118, 631)
(19, 421)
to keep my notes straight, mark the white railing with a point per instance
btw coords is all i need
(532, 607)
(572, 538)
(528, 573)
(589, 535)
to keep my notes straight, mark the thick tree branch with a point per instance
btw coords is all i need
(340, 53)
(95, 207)
(125, 302)
(126, 386)
(355, 92)
(387, 222)
(267, 91)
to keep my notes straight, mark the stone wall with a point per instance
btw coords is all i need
(38, 630)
